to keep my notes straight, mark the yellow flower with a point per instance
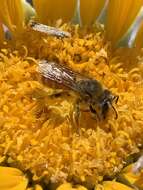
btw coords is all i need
(37, 126)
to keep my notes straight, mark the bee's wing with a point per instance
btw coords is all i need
(55, 72)
(51, 31)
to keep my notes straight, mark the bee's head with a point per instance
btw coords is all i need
(98, 98)
(106, 102)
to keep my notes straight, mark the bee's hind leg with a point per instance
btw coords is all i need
(77, 113)
(92, 110)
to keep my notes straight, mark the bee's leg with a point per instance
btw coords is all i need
(94, 112)
(57, 93)
(76, 114)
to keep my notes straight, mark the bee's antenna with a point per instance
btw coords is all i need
(116, 98)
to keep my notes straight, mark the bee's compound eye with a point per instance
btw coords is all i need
(107, 92)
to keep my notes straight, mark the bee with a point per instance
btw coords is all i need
(50, 31)
(90, 91)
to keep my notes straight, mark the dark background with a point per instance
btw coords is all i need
(29, 1)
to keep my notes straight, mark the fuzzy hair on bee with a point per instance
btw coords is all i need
(90, 91)
(50, 31)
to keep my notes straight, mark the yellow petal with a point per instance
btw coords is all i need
(135, 179)
(79, 187)
(53, 10)
(38, 187)
(112, 185)
(16, 12)
(120, 16)
(139, 182)
(129, 175)
(65, 186)
(68, 186)
(1, 39)
(35, 187)
(139, 37)
(12, 14)
(4, 14)
(90, 10)
(12, 179)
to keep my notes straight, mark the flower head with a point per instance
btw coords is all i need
(36, 120)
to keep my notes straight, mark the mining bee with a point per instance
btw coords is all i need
(90, 91)
(50, 31)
